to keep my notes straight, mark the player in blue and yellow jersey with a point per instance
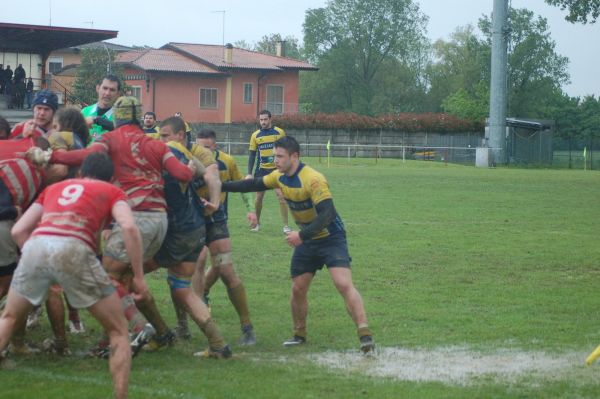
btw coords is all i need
(320, 241)
(219, 243)
(149, 124)
(186, 237)
(261, 143)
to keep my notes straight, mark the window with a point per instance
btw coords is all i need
(275, 99)
(208, 98)
(247, 93)
(55, 64)
(136, 91)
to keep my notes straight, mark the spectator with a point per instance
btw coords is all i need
(2, 80)
(20, 73)
(20, 89)
(29, 92)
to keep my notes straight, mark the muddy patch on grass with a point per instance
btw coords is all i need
(454, 365)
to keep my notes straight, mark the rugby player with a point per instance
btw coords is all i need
(139, 162)
(261, 143)
(186, 235)
(219, 243)
(62, 249)
(320, 241)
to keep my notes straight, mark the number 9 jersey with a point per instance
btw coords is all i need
(78, 208)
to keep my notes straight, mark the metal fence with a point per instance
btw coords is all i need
(576, 153)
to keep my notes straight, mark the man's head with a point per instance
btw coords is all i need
(179, 114)
(287, 154)
(173, 129)
(97, 165)
(264, 118)
(126, 110)
(149, 119)
(108, 90)
(45, 105)
(207, 138)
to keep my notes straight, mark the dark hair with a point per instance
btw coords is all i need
(265, 112)
(4, 128)
(175, 122)
(97, 165)
(151, 114)
(70, 119)
(288, 143)
(112, 78)
(41, 142)
(207, 134)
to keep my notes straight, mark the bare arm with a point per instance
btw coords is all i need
(26, 224)
(121, 212)
(75, 157)
(211, 177)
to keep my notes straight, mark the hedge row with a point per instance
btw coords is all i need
(406, 122)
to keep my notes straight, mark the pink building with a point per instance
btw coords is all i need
(209, 83)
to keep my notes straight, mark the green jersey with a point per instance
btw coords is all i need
(96, 131)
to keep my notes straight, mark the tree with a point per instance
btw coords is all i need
(92, 69)
(579, 10)
(268, 45)
(535, 71)
(358, 46)
(461, 63)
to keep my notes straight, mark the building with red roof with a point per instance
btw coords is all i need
(211, 83)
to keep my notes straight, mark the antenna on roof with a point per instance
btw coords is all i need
(50, 7)
(90, 23)
(223, 12)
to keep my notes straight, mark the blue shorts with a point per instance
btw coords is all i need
(310, 256)
(180, 247)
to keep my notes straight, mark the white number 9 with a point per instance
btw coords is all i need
(70, 194)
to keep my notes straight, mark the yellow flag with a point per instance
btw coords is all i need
(584, 151)
(328, 145)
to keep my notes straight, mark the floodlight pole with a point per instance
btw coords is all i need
(222, 12)
(498, 89)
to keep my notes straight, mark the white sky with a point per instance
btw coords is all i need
(155, 23)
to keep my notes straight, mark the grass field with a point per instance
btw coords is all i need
(478, 283)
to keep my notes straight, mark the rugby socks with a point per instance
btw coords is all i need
(300, 332)
(237, 296)
(136, 320)
(210, 329)
(363, 329)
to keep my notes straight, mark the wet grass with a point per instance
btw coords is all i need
(443, 256)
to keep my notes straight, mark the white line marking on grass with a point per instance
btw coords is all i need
(453, 365)
(151, 392)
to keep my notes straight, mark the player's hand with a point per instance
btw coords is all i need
(192, 166)
(140, 289)
(209, 207)
(28, 128)
(293, 238)
(38, 157)
(89, 121)
(248, 177)
(252, 219)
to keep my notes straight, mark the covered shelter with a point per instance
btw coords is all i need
(31, 45)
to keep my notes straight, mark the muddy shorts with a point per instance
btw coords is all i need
(65, 261)
(153, 228)
(311, 255)
(181, 247)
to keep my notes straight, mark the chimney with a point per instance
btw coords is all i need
(280, 48)
(228, 53)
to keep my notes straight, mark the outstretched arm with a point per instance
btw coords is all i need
(244, 186)
(75, 157)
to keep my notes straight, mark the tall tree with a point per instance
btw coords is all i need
(583, 11)
(268, 44)
(357, 44)
(93, 67)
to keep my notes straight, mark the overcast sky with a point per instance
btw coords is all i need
(155, 23)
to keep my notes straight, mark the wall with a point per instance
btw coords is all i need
(451, 147)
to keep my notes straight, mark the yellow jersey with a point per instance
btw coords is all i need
(303, 192)
(262, 142)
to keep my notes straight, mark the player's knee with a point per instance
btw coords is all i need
(222, 259)
(178, 282)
